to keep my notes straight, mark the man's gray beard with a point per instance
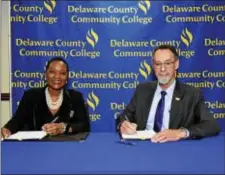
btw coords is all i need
(164, 80)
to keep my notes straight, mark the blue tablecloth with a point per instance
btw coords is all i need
(101, 154)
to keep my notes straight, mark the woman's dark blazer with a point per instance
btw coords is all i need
(32, 112)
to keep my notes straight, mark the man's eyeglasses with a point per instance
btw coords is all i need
(167, 64)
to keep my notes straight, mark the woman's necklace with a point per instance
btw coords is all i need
(51, 104)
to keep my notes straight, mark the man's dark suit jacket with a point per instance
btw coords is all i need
(33, 112)
(188, 110)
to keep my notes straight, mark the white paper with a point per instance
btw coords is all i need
(25, 135)
(145, 134)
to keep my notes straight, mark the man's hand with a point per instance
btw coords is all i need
(128, 128)
(5, 132)
(169, 135)
(53, 128)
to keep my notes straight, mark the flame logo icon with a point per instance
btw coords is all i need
(186, 37)
(92, 100)
(50, 5)
(145, 69)
(144, 5)
(92, 38)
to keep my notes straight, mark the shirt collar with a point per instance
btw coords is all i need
(169, 90)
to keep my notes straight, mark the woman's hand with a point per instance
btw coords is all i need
(53, 128)
(5, 132)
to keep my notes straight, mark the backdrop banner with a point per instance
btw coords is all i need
(109, 44)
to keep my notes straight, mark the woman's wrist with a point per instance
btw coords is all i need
(63, 127)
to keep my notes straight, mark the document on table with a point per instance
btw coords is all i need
(27, 135)
(145, 134)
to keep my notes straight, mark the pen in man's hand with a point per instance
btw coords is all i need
(134, 126)
(127, 119)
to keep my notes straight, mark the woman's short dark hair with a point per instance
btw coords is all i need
(57, 59)
(169, 47)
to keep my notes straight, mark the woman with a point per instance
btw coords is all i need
(52, 108)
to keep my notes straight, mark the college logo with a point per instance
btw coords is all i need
(145, 69)
(144, 6)
(92, 37)
(186, 37)
(92, 100)
(50, 5)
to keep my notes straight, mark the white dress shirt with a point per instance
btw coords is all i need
(166, 113)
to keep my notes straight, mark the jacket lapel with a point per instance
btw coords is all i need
(65, 107)
(147, 105)
(41, 112)
(40, 103)
(175, 118)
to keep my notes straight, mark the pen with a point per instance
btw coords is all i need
(54, 119)
(125, 142)
(126, 118)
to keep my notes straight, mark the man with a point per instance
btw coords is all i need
(173, 110)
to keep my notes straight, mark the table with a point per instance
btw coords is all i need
(100, 153)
